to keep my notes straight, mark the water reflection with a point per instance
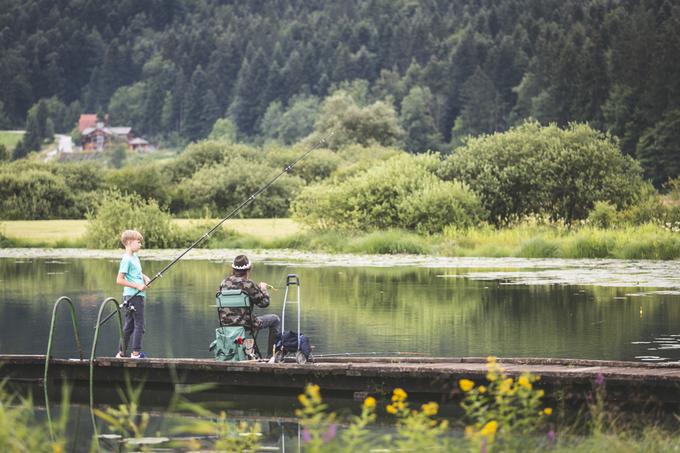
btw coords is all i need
(441, 311)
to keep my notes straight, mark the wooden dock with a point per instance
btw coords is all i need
(354, 378)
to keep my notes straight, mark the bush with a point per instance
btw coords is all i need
(208, 153)
(116, 213)
(147, 181)
(387, 196)
(34, 195)
(438, 204)
(217, 190)
(316, 166)
(532, 169)
(603, 215)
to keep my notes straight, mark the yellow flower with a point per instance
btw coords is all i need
(303, 400)
(506, 386)
(399, 395)
(547, 411)
(482, 389)
(469, 431)
(491, 376)
(524, 381)
(430, 408)
(391, 409)
(466, 385)
(540, 393)
(489, 429)
(313, 390)
(369, 403)
(491, 360)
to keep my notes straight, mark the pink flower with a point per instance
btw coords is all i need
(306, 436)
(330, 433)
(599, 380)
(551, 436)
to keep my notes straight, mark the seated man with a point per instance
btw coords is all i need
(240, 279)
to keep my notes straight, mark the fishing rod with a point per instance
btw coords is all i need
(244, 203)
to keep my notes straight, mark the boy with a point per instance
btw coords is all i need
(130, 276)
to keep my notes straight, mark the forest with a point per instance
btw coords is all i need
(444, 69)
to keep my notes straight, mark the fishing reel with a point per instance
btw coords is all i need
(127, 307)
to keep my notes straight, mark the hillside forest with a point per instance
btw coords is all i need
(444, 69)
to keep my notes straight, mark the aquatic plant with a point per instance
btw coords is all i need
(20, 431)
(318, 425)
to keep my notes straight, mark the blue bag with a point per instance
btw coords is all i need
(288, 342)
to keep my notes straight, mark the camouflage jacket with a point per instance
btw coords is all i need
(240, 316)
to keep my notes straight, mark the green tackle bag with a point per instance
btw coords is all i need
(229, 344)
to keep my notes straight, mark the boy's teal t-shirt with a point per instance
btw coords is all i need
(132, 268)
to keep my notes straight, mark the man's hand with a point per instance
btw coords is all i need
(263, 287)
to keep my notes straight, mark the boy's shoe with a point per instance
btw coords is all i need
(120, 355)
(141, 355)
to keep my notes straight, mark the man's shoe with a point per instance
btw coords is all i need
(141, 355)
(120, 355)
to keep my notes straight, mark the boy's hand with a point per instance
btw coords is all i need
(146, 280)
(141, 286)
(263, 287)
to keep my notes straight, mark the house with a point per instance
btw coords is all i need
(97, 135)
(87, 120)
(138, 144)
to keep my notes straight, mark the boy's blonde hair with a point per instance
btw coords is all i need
(130, 235)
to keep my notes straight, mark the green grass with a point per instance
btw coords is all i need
(10, 139)
(526, 241)
(70, 233)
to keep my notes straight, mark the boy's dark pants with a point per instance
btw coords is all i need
(134, 322)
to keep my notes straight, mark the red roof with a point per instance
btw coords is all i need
(87, 120)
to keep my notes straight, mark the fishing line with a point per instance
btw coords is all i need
(244, 203)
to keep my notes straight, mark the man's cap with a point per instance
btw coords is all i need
(241, 263)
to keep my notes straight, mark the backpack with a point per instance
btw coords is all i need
(229, 344)
(288, 342)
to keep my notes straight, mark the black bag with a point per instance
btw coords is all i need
(288, 342)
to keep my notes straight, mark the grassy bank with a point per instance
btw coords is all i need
(10, 139)
(526, 241)
(70, 233)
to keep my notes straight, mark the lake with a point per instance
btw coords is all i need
(595, 309)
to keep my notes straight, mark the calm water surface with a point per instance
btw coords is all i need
(510, 308)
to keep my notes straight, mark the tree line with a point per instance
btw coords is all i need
(448, 68)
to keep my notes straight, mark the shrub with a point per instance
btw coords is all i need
(387, 196)
(603, 215)
(147, 181)
(116, 213)
(532, 169)
(316, 166)
(34, 195)
(220, 189)
(438, 204)
(208, 153)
